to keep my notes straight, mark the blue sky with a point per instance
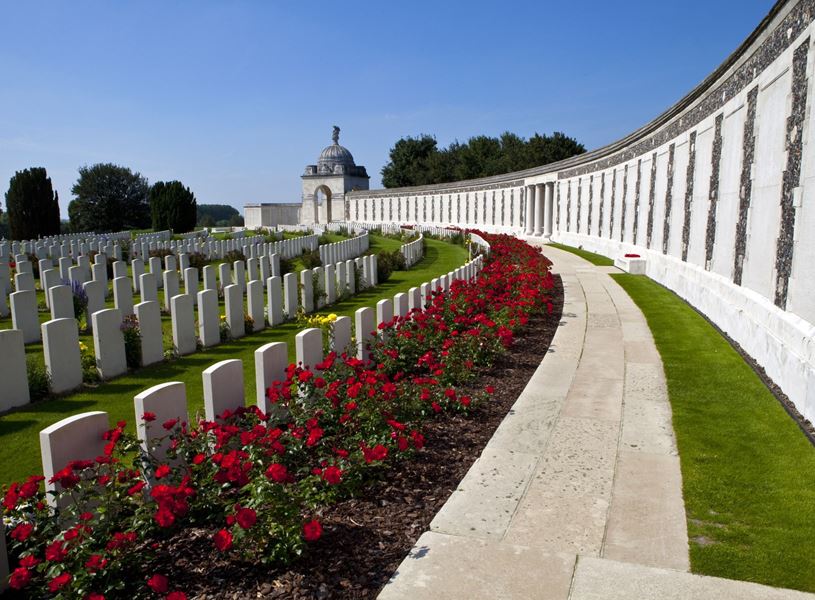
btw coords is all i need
(235, 98)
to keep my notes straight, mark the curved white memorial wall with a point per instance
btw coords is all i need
(717, 194)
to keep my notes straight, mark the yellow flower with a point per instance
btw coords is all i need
(82, 347)
(332, 317)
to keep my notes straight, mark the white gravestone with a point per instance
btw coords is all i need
(191, 281)
(208, 318)
(63, 360)
(75, 438)
(170, 287)
(414, 299)
(307, 291)
(152, 343)
(400, 305)
(61, 301)
(24, 282)
(271, 361)
(364, 326)
(24, 315)
(167, 401)
(183, 318)
(137, 266)
(384, 313)
(149, 289)
(254, 299)
(223, 388)
(109, 343)
(308, 345)
(209, 275)
(341, 336)
(14, 388)
(95, 292)
(233, 304)
(274, 298)
(290, 295)
(123, 295)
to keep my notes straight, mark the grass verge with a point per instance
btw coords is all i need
(19, 430)
(748, 472)
(595, 259)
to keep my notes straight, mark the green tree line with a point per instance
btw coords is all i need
(420, 161)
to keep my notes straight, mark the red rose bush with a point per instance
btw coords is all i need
(257, 482)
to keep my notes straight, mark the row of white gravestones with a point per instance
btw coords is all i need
(260, 268)
(344, 249)
(251, 247)
(81, 436)
(223, 382)
(413, 251)
(60, 335)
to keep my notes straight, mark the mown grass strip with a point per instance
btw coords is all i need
(748, 471)
(595, 259)
(19, 430)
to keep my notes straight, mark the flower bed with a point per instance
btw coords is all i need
(258, 482)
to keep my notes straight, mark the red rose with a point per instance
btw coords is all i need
(158, 583)
(305, 376)
(277, 472)
(314, 436)
(20, 578)
(246, 517)
(198, 459)
(148, 416)
(95, 563)
(59, 582)
(94, 596)
(55, 551)
(222, 540)
(164, 517)
(22, 532)
(29, 562)
(136, 488)
(162, 471)
(333, 475)
(168, 425)
(176, 596)
(312, 531)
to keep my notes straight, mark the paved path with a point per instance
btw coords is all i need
(578, 495)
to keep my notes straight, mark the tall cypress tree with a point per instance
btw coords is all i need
(172, 206)
(32, 205)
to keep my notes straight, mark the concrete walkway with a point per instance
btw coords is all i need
(579, 493)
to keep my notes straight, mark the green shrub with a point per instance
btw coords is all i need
(311, 259)
(286, 266)
(39, 383)
(387, 263)
(132, 336)
(198, 260)
(234, 255)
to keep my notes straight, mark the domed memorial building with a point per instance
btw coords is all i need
(324, 187)
(325, 184)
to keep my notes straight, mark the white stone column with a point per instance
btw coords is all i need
(539, 197)
(548, 209)
(530, 209)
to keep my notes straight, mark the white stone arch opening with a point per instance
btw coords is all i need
(322, 203)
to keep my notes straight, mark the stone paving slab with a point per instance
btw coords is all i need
(485, 501)
(646, 523)
(603, 579)
(445, 567)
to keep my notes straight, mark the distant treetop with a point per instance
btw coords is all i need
(419, 161)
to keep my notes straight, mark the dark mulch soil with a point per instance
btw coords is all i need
(365, 538)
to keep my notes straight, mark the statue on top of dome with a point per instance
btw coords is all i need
(336, 135)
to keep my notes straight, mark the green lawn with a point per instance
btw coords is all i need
(748, 471)
(19, 444)
(595, 259)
